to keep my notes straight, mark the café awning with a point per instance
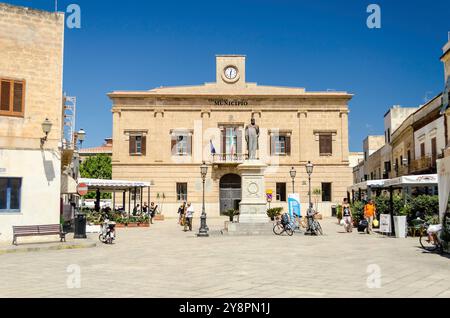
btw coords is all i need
(366, 185)
(112, 185)
(414, 181)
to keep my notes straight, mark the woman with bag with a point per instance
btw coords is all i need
(347, 216)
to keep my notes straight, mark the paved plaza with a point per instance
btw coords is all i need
(163, 261)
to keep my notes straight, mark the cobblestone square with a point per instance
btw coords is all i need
(164, 261)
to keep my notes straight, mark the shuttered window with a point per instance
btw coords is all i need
(422, 150)
(12, 98)
(280, 145)
(326, 144)
(138, 145)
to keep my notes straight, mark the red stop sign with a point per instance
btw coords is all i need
(82, 189)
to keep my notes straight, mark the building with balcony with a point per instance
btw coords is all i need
(163, 135)
(31, 63)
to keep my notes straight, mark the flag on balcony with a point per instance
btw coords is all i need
(232, 150)
(213, 150)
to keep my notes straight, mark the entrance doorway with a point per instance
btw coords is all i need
(230, 192)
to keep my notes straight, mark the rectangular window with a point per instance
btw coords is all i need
(281, 192)
(433, 151)
(182, 192)
(138, 145)
(326, 144)
(422, 150)
(280, 145)
(12, 96)
(389, 135)
(326, 192)
(181, 145)
(10, 194)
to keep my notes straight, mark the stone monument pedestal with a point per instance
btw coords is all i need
(253, 218)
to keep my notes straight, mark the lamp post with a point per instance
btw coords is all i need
(46, 128)
(309, 171)
(293, 174)
(203, 231)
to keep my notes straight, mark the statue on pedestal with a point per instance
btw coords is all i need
(252, 139)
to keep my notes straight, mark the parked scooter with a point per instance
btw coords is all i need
(108, 234)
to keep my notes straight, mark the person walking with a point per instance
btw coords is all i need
(181, 211)
(152, 211)
(347, 216)
(145, 208)
(370, 212)
(189, 216)
(136, 209)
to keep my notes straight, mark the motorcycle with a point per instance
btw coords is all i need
(108, 234)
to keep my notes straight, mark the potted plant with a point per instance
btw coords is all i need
(400, 223)
(274, 212)
(231, 213)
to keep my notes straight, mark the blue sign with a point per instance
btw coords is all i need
(294, 205)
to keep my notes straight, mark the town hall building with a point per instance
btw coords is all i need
(163, 136)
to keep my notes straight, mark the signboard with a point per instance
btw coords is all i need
(385, 223)
(82, 189)
(269, 195)
(294, 205)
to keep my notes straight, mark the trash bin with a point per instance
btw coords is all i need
(333, 210)
(80, 226)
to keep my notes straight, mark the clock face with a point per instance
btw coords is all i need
(230, 72)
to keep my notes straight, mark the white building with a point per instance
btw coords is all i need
(31, 62)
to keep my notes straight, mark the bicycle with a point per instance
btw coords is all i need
(279, 228)
(427, 245)
(298, 224)
(314, 226)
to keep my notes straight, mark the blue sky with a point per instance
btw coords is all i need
(319, 45)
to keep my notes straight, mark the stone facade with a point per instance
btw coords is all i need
(31, 52)
(204, 113)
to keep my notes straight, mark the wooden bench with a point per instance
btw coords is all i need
(38, 230)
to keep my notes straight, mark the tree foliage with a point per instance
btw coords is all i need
(97, 167)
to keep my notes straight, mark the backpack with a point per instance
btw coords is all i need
(285, 219)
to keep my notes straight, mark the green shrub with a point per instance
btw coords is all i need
(231, 213)
(424, 205)
(339, 212)
(274, 212)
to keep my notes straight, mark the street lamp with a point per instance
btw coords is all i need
(46, 128)
(309, 171)
(293, 174)
(203, 231)
(81, 136)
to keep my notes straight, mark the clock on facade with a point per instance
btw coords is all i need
(231, 72)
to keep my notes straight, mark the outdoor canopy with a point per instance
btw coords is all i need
(367, 184)
(113, 185)
(419, 180)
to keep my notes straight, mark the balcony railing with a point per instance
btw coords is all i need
(227, 158)
(423, 164)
